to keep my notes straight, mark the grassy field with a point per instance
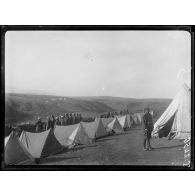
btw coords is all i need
(123, 149)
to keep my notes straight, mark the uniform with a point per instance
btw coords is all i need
(39, 126)
(63, 121)
(74, 119)
(70, 119)
(53, 123)
(67, 120)
(49, 124)
(58, 121)
(80, 117)
(77, 118)
(147, 128)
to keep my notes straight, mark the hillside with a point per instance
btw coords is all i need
(26, 107)
(132, 104)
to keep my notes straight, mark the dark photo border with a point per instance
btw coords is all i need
(6, 28)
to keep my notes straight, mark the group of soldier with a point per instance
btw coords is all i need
(67, 119)
(52, 121)
(115, 113)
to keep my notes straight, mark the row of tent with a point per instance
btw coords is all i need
(30, 146)
(175, 121)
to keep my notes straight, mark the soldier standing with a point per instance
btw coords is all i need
(53, 122)
(63, 120)
(147, 128)
(39, 125)
(74, 118)
(80, 117)
(58, 121)
(71, 118)
(48, 123)
(66, 119)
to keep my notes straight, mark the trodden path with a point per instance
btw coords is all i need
(123, 149)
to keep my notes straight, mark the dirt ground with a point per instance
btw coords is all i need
(123, 149)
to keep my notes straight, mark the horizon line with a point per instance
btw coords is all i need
(41, 94)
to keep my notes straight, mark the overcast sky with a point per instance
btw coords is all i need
(135, 64)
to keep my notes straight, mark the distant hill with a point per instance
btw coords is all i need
(27, 107)
(132, 104)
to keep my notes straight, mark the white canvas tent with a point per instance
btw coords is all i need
(129, 120)
(112, 124)
(105, 122)
(95, 129)
(15, 152)
(71, 135)
(97, 118)
(176, 119)
(41, 144)
(137, 118)
(123, 121)
(79, 136)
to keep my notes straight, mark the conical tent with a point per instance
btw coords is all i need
(137, 118)
(41, 144)
(79, 136)
(176, 119)
(129, 120)
(97, 118)
(112, 124)
(62, 133)
(115, 126)
(15, 152)
(95, 129)
(6, 139)
(152, 113)
(123, 121)
(106, 122)
(71, 134)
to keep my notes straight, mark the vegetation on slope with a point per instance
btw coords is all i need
(27, 107)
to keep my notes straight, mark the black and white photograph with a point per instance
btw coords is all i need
(82, 97)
